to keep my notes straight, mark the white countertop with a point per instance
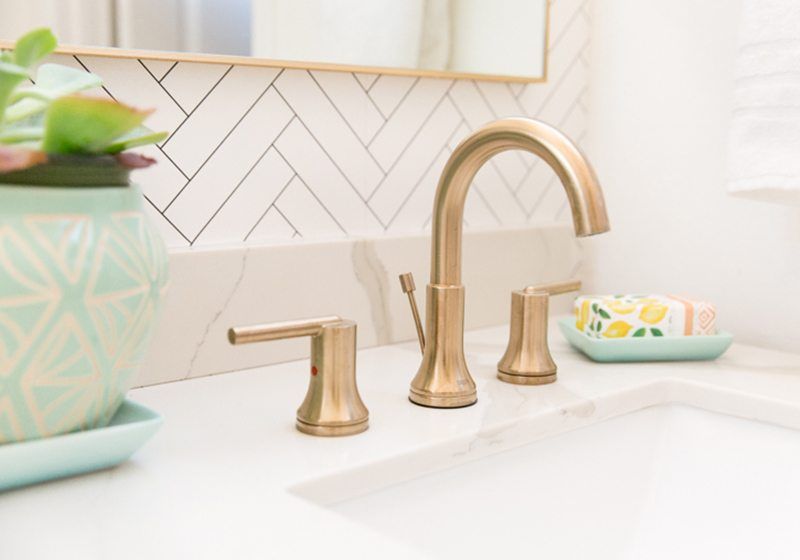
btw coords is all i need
(213, 483)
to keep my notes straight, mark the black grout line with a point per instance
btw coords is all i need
(221, 142)
(272, 205)
(167, 219)
(322, 205)
(239, 184)
(408, 145)
(163, 153)
(285, 218)
(333, 161)
(163, 88)
(171, 136)
(347, 122)
(79, 61)
(417, 184)
(167, 72)
(396, 107)
(300, 178)
(375, 81)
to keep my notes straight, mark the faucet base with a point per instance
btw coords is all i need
(527, 379)
(443, 379)
(332, 430)
(443, 401)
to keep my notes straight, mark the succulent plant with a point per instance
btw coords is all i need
(45, 120)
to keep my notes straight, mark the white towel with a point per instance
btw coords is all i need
(765, 129)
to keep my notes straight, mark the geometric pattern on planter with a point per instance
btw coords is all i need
(78, 297)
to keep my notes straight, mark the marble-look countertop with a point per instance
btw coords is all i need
(215, 481)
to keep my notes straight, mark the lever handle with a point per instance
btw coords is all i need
(527, 359)
(332, 406)
(555, 288)
(408, 286)
(280, 330)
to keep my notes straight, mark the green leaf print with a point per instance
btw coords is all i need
(656, 332)
(640, 332)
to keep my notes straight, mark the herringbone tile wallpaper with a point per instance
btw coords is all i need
(262, 154)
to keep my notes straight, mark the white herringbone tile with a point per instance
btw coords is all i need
(415, 161)
(216, 116)
(329, 129)
(221, 174)
(158, 68)
(245, 207)
(387, 91)
(302, 152)
(325, 154)
(416, 208)
(499, 197)
(271, 227)
(407, 119)
(366, 80)
(188, 82)
(306, 213)
(352, 102)
(161, 183)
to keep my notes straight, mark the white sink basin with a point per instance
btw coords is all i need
(668, 481)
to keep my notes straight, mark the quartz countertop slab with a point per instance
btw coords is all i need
(217, 480)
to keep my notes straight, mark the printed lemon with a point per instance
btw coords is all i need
(617, 329)
(653, 313)
(582, 315)
(620, 307)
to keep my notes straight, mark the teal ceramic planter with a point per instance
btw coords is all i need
(82, 276)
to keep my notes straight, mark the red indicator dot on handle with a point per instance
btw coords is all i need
(313, 370)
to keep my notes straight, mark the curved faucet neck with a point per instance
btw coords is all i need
(579, 180)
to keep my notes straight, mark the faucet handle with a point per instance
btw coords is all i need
(527, 359)
(332, 406)
(556, 288)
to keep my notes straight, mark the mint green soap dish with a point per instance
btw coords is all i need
(646, 349)
(37, 460)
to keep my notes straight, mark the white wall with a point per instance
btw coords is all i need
(660, 95)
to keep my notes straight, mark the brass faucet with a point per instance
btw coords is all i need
(332, 406)
(443, 379)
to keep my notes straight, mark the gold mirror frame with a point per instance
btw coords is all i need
(173, 56)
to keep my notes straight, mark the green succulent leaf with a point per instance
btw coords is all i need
(85, 125)
(140, 136)
(34, 46)
(52, 81)
(18, 134)
(11, 76)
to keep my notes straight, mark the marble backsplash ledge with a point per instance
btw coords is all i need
(214, 289)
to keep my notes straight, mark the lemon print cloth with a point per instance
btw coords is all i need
(623, 316)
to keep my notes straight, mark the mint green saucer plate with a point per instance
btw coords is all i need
(38, 460)
(649, 349)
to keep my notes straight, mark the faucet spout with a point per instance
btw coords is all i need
(579, 180)
(443, 380)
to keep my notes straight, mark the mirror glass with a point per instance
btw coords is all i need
(487, 37)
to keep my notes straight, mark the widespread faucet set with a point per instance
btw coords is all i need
(333, 406)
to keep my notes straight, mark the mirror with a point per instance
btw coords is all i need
(477, 38)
